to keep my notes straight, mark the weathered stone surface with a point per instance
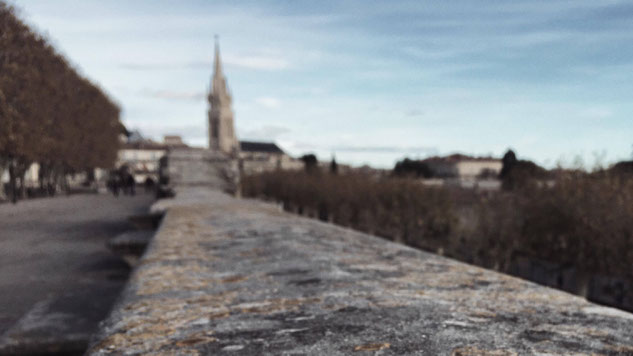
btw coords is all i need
(227, 276)
(202, 167)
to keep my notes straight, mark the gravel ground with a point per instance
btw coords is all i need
(55, 246)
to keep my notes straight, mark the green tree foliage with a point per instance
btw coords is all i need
(509, 160)
(310, 162)
(623, 167)
(412, 168)
(519, 173)
(49, 114)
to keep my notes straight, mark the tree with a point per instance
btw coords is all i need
(333, 166)
(509, 160)
(622, 167)
(310, 162)
(520, 173)
(412, 168)
(49, 113)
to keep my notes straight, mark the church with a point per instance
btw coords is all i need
(253, 157)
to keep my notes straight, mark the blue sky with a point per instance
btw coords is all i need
(368, 81)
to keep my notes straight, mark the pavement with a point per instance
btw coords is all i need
(56, 271)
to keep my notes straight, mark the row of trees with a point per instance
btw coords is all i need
(412, 168)
(49, 113)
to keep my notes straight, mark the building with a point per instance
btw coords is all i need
(173, 141)
(253, 157)
(221, 128)
(141, 159)
(257, 157)
(141, 156)
(463, 167)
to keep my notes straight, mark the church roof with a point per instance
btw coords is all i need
(455, 158)
(252, 146)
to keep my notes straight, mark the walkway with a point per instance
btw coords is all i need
(53, 249)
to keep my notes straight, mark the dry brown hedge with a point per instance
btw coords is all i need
(580, 220)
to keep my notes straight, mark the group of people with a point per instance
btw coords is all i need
(121, 179)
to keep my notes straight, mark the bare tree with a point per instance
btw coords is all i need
(50, 114)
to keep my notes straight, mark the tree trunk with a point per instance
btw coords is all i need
(3, 196)
(12, 183)
(43, 178)
(323, 212)
(583, 283)
(20, 169)
(90, 176)
(508, 258)
(22, 190)
(64, 182)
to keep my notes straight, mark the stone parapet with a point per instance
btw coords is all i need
(230, 276)
(202, 167)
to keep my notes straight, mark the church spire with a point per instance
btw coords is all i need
(218, 76)
(221, 131)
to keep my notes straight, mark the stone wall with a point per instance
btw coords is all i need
(213, 169)
(230, 276)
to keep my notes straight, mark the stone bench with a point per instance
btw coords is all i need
(229, 276)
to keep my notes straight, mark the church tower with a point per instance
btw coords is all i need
(221, 131)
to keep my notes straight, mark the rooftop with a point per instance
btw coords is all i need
(252, 146)
(458, 157)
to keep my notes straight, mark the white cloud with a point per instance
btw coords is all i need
(268, 102)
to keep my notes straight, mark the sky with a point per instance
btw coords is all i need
(369, 82)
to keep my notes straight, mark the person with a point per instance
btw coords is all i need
(113, 183)
(131, 184)
(149, 184)
(123, 176)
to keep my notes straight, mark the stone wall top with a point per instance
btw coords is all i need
(190, 167)
(229, 276)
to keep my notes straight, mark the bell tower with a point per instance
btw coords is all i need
(221, 129)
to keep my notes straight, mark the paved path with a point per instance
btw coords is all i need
(56, 246)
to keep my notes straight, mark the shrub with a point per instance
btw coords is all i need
(398, 209)
(579, 220)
